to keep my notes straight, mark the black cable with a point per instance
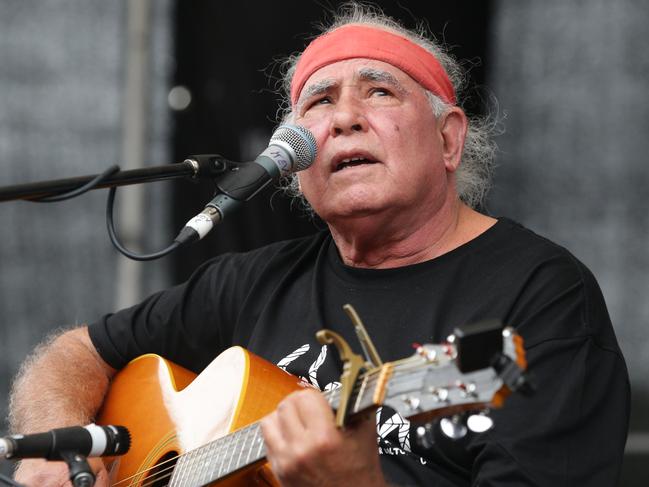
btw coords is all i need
(113, 236)
(78, 191)
(8, 481)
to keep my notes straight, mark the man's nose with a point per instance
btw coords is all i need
(348, 117)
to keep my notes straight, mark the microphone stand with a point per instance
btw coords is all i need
(194, 167)
(198, 166)
(80, 472)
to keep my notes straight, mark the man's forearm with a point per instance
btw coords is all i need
(62, 383)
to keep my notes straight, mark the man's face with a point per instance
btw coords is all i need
(380, 148)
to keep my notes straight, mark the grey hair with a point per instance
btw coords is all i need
(473, 176)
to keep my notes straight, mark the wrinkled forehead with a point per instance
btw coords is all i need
(354, 70)
(366, 42)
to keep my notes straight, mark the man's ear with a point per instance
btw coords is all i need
(453, 126)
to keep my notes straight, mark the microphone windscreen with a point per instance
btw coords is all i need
(301, 140)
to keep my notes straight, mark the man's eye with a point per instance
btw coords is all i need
(380, 92)
(320, 101)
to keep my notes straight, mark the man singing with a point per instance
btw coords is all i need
(399, 171)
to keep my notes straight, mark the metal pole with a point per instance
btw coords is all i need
(131, 213)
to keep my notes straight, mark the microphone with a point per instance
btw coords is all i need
(291, 148)
(90, 441)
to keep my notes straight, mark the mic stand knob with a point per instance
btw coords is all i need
(80, 472)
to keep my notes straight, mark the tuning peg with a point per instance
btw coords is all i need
(513, 376)
(453, 427)
(427, 352)
(435, 353)
(411, 403)
(479, 423)
(424, 436)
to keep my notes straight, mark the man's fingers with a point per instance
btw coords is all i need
(301, 416)
(291, 421)
(313, 410)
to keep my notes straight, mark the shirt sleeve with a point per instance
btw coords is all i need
(572, 430)
(188, 324)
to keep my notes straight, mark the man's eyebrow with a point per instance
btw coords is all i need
(364, 74)
(373, 74)
(318, 88)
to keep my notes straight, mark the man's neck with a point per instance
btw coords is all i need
(385, 246)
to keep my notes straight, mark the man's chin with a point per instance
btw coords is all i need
(352, 213)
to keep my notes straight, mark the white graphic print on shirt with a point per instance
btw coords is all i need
(393, 431)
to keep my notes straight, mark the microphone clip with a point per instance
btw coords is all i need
(238, 180)
(208, 166)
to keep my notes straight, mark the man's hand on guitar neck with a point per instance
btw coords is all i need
(304, 447)
(41, 473)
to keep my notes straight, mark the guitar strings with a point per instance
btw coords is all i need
(168, 471)
(153, 478)
(157, 479)
(163, 473)
(369, 378)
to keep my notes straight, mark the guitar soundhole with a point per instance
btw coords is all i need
(161, 473)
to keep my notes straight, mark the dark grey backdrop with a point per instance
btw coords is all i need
(570, 78)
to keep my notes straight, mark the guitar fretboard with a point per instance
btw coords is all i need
(245, 446)
(219, 458)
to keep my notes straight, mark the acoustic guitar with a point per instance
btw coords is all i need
(189, 430)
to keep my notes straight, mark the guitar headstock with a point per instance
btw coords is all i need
(477, 368)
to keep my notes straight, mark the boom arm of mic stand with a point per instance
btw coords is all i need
(194, 167)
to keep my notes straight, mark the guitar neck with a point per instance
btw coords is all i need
(428, 383)
(220, 458)
(245, 447)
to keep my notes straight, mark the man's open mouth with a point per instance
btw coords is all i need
(353, 161)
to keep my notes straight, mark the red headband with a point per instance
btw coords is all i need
(360, 41)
